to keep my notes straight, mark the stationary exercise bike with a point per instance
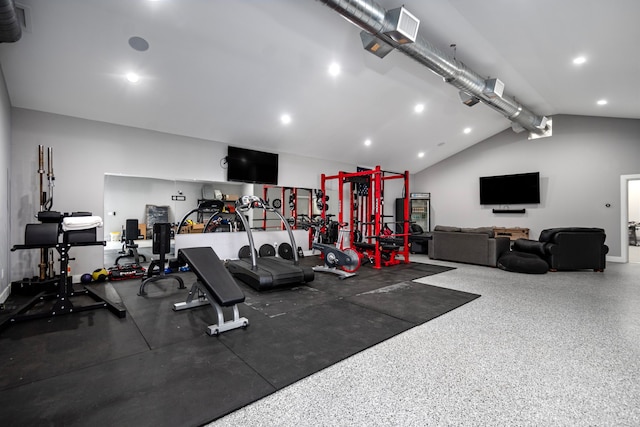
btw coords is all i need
(339, 261)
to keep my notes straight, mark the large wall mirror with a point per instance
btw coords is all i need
(142, 198)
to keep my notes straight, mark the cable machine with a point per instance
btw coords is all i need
(362, 207)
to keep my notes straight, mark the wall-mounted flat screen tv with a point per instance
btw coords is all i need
(517, 189)
(258, 167)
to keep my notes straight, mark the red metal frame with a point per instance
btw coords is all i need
(369, 215)
(285, 202)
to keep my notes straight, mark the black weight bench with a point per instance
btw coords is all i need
(215, 286)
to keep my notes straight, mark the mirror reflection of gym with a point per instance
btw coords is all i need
(130, 197)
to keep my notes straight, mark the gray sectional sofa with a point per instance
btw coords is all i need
(468, 245)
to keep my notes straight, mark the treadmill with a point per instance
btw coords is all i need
(266, 273)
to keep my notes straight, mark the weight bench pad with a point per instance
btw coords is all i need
(213, 275)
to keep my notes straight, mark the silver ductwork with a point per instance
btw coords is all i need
(10, 29)
(374, 19)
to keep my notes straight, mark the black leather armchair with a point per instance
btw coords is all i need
(568, 248)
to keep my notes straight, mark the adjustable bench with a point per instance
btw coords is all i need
(215, 286)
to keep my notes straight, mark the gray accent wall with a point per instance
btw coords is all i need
(5, 177)
(580, 167)
(84, 151)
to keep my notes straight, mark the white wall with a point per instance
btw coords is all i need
(84, 151)
(5, 173)
(580, 168)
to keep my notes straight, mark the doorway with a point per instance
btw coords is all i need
(629, 216)
(634, 220)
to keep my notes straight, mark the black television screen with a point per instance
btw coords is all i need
(523, 188)
(252, 166)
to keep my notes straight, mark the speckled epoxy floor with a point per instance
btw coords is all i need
(560, 349)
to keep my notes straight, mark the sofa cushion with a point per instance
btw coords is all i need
(471, 248)
(521, 262)
(530, 246)
(445, 228)
(480, 230)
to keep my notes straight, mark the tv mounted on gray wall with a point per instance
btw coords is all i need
(258, 167)
(517, 189)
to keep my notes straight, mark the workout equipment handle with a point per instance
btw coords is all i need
(248, 202)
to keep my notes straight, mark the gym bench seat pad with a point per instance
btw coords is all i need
(212, 274)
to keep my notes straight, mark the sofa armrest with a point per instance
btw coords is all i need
(497, 247)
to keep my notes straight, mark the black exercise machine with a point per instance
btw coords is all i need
(77, 229)
(161, 246)
(268, 272)
(45, 236)
(343, 263)
(215, 286)
(130, 247)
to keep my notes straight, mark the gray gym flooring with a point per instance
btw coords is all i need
(560, 349)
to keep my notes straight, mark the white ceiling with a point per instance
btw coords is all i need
(225, 70)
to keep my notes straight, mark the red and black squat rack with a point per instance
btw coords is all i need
(366, 216)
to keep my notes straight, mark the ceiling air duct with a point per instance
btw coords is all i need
(383, 35)
(10, 29)
(404, 26)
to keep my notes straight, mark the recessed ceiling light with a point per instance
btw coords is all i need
(285, 119)
(467, 130)
(421, 154)
(602, 102)
(579, 60)
(133, 77)
(367, 142)
(334, 69)
(419, 108)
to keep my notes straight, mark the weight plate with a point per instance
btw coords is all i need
(267, 250)
(244, 252)
(285, 251)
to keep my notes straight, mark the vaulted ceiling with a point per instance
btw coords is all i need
(227, 70)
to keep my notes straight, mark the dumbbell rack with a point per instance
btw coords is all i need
(62, 297)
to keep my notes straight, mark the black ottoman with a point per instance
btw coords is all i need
(522, 262)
